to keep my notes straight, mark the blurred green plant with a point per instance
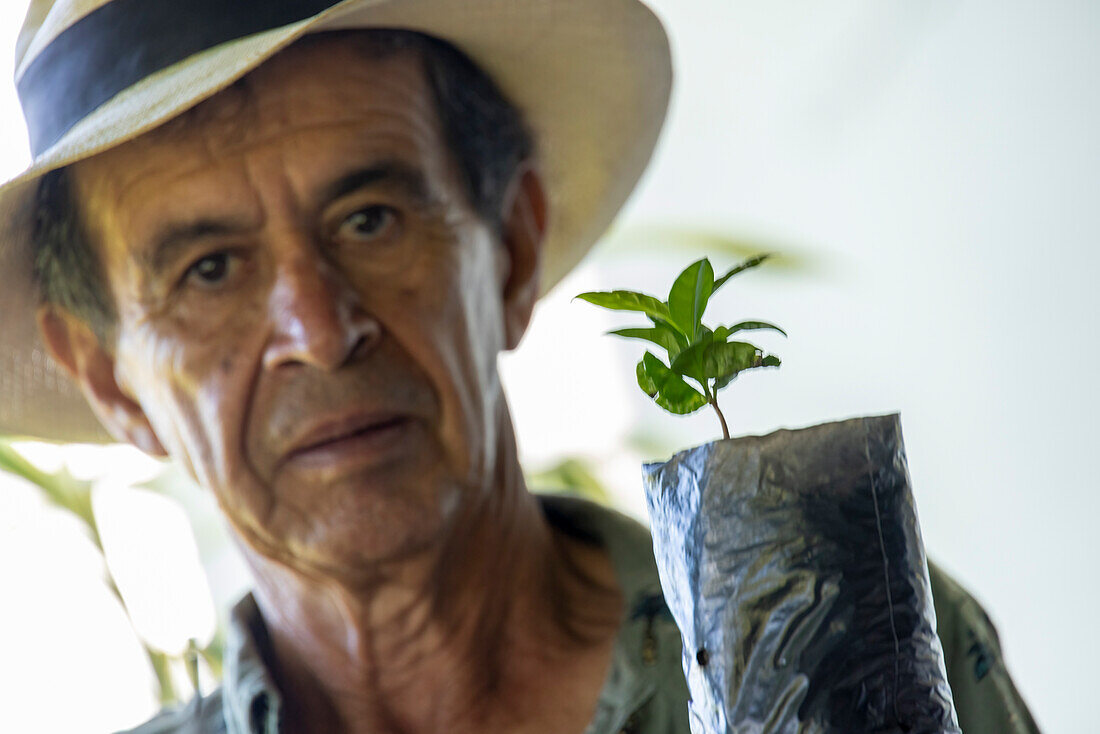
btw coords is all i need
(708, 357)
(572, 476)
(632, 240)
(74, 496)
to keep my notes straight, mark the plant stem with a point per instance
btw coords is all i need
(722, 418)
(161, 668)
(159, 660)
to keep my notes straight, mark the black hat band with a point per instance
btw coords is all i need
(124, 41)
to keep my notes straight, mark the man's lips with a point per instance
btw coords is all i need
(357, 433)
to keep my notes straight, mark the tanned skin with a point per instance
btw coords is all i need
(310, 314)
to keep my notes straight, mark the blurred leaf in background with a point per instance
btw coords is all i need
(572, 476)
(74, 497)
(665, 239)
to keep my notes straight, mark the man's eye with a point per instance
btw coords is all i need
(211, 270)
(368, 223)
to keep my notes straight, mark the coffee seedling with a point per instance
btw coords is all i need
(708, 357)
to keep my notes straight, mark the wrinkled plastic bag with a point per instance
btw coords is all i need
(794, 566)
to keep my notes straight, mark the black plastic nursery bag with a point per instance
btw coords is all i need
(794, 566)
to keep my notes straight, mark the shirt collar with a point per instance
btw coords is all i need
(647, 634)
(250, 700)
(252, 703)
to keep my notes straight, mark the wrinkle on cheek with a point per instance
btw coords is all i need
(190, 400)
(465, 320)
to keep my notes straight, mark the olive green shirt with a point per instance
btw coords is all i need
(644, 692)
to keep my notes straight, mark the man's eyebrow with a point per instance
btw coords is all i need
(409, 179)
(176, 236)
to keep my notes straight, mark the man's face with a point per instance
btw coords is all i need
(309, 309)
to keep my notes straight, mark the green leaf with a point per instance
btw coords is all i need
(725, 358)
(660, 334)
(645, 380)
(679, 397)
(708, 360)
(681, 338)
(691, 362)
(744, 357)
(752, 262)
(628, 301)
(721, 382)
(61, 488)
(689, 295)
(722, 332)
(667, 388)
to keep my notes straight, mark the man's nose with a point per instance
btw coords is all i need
(317, 316)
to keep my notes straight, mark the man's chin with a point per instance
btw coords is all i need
(359, 526)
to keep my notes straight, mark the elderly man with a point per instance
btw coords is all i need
(286, 251)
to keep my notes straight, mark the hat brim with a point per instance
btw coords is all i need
(592, 78)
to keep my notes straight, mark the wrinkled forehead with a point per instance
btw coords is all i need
(321, 82)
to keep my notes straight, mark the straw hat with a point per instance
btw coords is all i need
(592, 78)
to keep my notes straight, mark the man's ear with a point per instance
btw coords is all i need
(524, 218)
(79, 351)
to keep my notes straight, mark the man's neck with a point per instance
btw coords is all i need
(476, 633)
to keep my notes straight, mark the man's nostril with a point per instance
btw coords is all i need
(360, 346)
(367, 333)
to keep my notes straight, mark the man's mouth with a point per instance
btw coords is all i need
(356, 438)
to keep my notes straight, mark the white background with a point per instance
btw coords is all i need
(935, 167)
